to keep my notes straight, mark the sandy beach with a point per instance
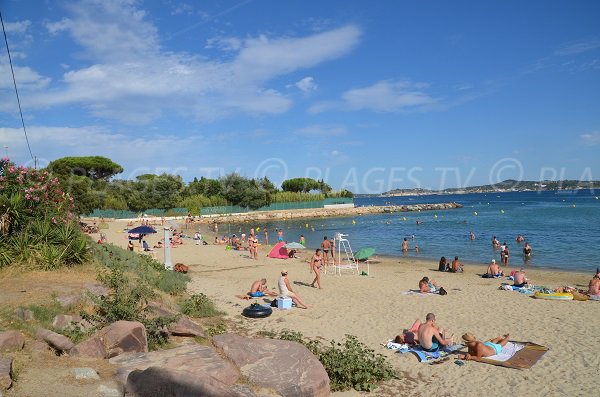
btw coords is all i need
(374, 309)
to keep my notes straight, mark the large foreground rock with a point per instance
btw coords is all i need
(57, 341)
(123, 337)
(91, 348)
(5, 373)
(190, 370)
(11, 341)
(287, 367)
(160, 382)
(186, 327)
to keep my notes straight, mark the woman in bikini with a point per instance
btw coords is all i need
(316, 264)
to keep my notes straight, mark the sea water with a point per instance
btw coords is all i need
(563, 228)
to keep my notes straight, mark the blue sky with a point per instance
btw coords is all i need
(367, 95)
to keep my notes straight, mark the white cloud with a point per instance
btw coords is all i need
(131, 78)
(383, 96)
(307, 84)
(322, 130)
(17, 27)
(578, 47)
(591, 139)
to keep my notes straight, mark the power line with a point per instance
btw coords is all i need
(16, 91)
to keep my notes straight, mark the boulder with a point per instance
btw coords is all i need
(57, 341)
(155, 381)
(123, 337)
(96, 289)
(5, 373)
(85, 373)
(109, 391)
(196, 361)
(11, 341)
(24, 314)
(287, 367)
(63, 321)
(39, 346)
(160, 310)
(91, 348)
(186, 327)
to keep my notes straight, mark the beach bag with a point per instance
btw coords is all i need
(443, 291)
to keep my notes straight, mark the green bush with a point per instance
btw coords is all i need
(292, 197)
(148, 269)
(199, 306)
(349, 364)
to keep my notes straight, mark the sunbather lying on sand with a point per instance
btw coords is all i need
(410, 335)
(426, 285)
(478, 349)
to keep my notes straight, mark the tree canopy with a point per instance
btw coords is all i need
(304, 185)
(93, 167)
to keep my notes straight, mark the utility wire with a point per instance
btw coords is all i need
(16, 91)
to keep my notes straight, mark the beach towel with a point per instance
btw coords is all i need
(518, 355)
(417, 292)
(429, 357)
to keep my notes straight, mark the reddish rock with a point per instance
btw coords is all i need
(287, 367)
(39, 346)
(186, 327)
(92, 348)
(193, 360)
(5, 373)
(160, 310)
(156, 381)
(57, 341)
(11, 341)
(123, 337)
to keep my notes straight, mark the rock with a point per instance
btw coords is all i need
(195, 361)
(91, 348)
(57, 341)
(123, 337)
(24, 314)
(109, 391)
(68, 300)
(11, 341)
(39, 346)
(5, 373)
(85, 373)
(63, 321)
(155, 381)
(160, 310)
(97, 290)
(287, 367)
(186, 327)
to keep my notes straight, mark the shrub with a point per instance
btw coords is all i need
(349, 364)
(216, 330)
(199, 306)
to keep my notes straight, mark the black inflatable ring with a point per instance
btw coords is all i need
(257, 311)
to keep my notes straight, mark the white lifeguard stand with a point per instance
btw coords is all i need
(345, 259)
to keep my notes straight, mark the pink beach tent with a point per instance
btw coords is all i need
(279, 251)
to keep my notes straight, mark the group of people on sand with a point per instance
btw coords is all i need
(432, 337)
(259, 289)
(455, 267)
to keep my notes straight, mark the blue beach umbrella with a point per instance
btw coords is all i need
(142, 230)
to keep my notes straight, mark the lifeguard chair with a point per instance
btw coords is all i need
(345, 255)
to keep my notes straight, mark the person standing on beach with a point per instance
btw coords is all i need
(280, 235)
(266, 237)
(302, 240)
(405, 245)
(316, 264)
(326, 245)
(253, 245)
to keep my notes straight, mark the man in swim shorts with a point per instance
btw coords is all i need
(430, 336)
(477, 349)
(326, 246)
(259, 289)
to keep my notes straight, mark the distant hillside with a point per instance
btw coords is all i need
(509, 185)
